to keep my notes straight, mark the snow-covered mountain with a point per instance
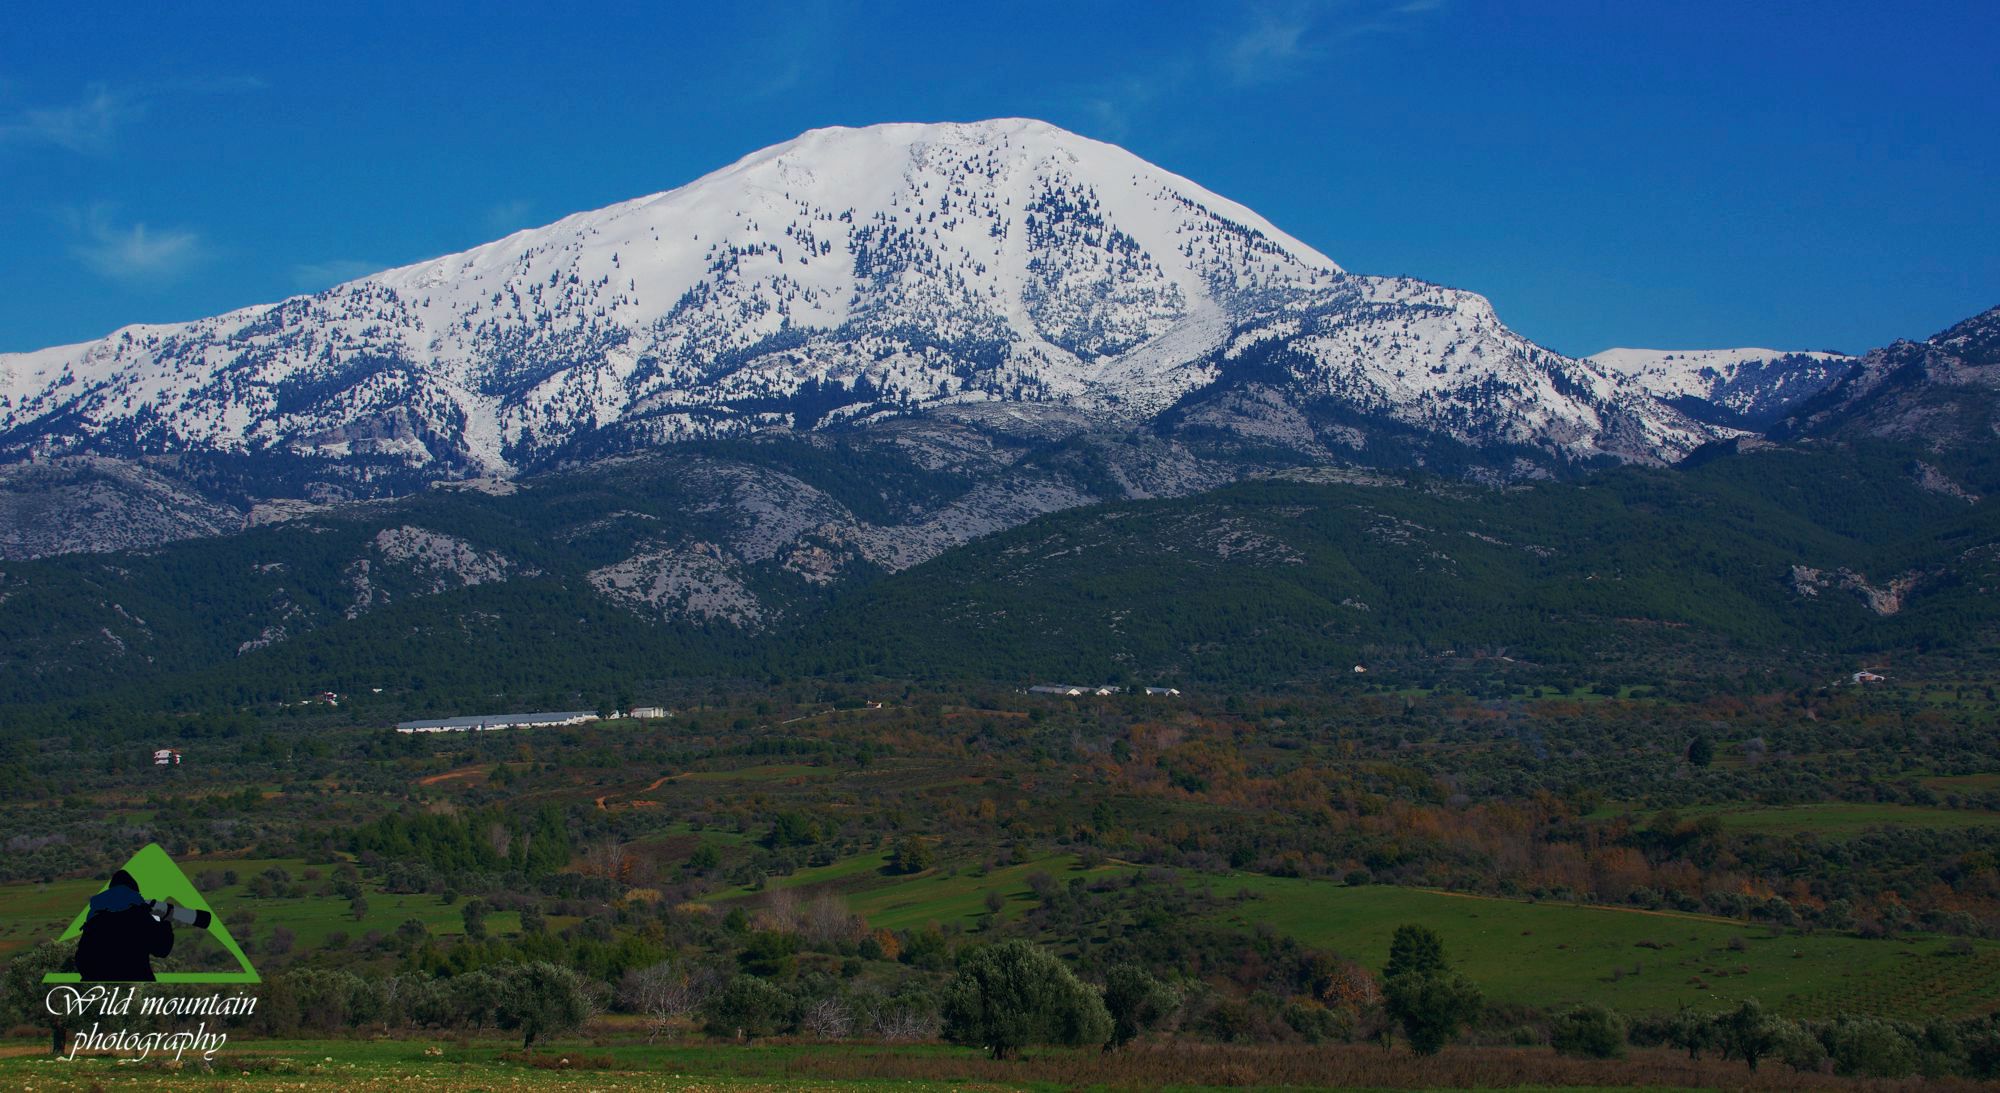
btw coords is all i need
(1746, 388)
(846, 276)
(1941, 394)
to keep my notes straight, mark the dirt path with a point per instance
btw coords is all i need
(656, 783)
(452, 775)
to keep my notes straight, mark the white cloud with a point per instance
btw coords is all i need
(90, 125)
(1262, 43)
(1282, 36)
(1273, 41)
(87, 125)
(133, 253)
(313, 276)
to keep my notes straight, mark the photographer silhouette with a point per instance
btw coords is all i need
(121, 933)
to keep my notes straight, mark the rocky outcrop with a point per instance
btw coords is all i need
(88, 503)
(417, 561)
(1885, 600)
(698, 582)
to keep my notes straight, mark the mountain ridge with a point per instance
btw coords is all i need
(906, 265)
(1939, 393)
(1745, 388)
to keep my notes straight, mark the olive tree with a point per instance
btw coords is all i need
(1136, 1001)
(1015, 993)
(541, 999)
(747, 1007)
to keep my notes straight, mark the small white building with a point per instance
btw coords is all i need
(648, 712)
(166, 757)
(1169, 692)
(489, 722)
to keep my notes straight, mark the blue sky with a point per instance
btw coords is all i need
(1619, 173)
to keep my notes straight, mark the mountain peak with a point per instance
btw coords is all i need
(843, 276)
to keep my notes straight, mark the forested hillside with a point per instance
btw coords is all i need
(1768, 563)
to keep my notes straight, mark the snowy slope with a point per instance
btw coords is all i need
(1747, 386)
(839, 277)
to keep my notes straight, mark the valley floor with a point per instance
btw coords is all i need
(423, 1066)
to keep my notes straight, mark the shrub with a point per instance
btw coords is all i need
(1590, 1031)
(1800, 1049)
(1432, 1008)
(1982, 1054)
(911, 855)
(748, 1007)
(1314, 1022)
(769, 954)
(1868, 1048)
(1136, 1001)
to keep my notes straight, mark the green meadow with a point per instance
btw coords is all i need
(439, 1065)
(1554, 954)
(1531, 953)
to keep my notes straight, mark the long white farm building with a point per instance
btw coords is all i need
(485, 722)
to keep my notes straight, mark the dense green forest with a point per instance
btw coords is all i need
(1793, 565)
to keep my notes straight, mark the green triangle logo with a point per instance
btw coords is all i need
(159, 878)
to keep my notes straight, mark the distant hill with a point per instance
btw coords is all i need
(1771, 560)
(1794, 561)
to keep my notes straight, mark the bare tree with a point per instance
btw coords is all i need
(665, 993)
(827, 1019)
(899, 1023)
(826, 921)
(500, 839)
(780, 912)
(608, 859)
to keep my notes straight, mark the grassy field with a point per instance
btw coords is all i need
(1961, 783)
(938, 895)
(422, 1066)
(1550, 954)
(1541, 954)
